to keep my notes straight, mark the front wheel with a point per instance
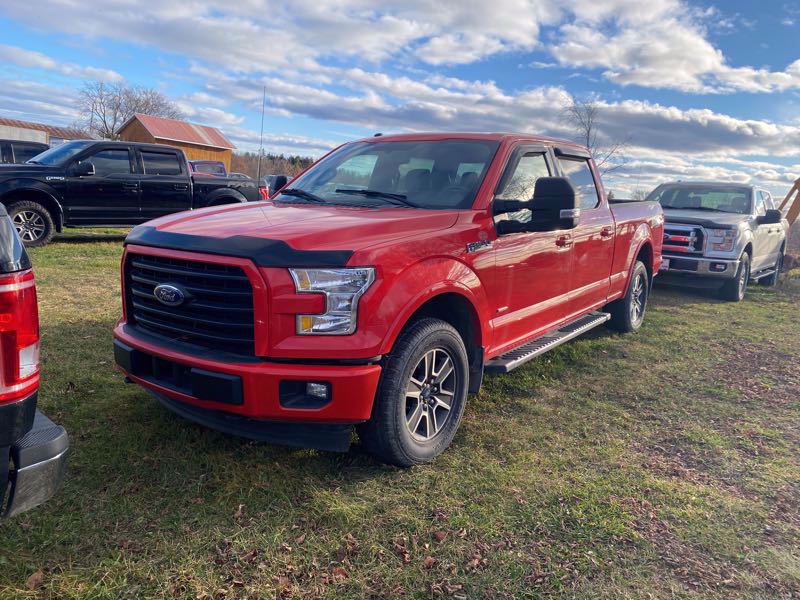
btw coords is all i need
(627, 313)
(421, 396)
(734, 289)
(33, 222)
(772, 280)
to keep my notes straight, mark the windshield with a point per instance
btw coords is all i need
(734, 199)
(443, 174)
(60, 154)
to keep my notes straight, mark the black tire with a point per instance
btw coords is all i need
(33, 222)
(772, 280)
(734, 289)
(627, 313)
(395, 433)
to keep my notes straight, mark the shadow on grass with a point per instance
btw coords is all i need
(82, 238)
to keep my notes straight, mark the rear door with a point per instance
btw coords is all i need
(164, 182)
(592, 239)
(110, 196)
(532, 269)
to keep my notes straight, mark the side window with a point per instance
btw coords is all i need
(161, 163)
(521, 183)
(110, 162)
(761, 208)
(580, 174)
(769, 204)
(23, 152)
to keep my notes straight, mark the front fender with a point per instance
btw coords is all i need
(24, 184)
(423, 281)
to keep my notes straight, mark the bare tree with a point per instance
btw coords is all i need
(582, 117)
(105, 107)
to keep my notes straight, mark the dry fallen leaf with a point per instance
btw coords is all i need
(439, 536)
(34, 582)
(428, 562)
(239, 512)
(339, 573)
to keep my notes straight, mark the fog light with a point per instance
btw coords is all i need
(304, 394)
(718, 267)
(317, 390)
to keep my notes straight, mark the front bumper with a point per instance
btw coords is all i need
(248, 398)
(38, 462)
(700, 267)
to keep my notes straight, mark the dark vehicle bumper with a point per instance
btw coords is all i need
(38, 462)
(332, 437)
(700, 272)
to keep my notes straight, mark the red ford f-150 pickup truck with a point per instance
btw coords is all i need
(378, 287)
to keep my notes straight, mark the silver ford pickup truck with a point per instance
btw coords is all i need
(720, 235)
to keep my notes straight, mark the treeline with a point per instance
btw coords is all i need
(271, 164)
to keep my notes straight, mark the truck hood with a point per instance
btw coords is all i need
(705, 218)
(26, 169)
(306, 227)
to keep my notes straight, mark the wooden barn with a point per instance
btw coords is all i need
(199, 142)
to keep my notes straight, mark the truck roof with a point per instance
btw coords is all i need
(466, 135)
(713, 184)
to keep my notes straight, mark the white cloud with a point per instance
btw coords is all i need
(36, 60)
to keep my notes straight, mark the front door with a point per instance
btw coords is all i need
(165, 183)
(531, 291)
(593, 238)
(110, 196)
(762, 244)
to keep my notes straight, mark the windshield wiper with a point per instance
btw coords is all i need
(298, 193)
(397, 198)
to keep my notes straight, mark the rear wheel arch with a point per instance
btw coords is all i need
(645, 255)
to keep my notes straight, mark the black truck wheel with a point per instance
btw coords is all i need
(421, 396)
(734, 289)
(33, 222)
(627, 313)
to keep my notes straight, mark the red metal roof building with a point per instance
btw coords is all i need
(199, 142)
(13, 129)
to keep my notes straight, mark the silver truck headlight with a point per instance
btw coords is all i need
(722, 239)
(342, 289)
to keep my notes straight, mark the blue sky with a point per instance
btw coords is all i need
(697, 89)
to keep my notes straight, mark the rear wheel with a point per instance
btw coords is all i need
(421, 396)
(33, 222)
(734, 289)
(627, 313)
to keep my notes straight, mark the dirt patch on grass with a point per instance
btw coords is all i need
(760, 373)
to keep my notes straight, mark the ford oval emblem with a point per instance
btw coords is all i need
(169, 295)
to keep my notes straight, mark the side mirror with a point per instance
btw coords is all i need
(772, 217)
(554, 206)
(83, 169)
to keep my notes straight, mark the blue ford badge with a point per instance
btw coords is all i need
(169, 295)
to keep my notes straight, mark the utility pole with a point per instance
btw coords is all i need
(261, 138)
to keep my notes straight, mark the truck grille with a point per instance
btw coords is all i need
(216, 313)
(683, 239)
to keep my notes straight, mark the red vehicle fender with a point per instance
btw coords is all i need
(426, 280)
(640, 238)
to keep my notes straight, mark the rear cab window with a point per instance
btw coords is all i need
(160, 163)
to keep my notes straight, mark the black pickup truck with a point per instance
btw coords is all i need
(102, 183)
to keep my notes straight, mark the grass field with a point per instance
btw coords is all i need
(658, 465)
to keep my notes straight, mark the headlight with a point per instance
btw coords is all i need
(722, 239)
(342, 289)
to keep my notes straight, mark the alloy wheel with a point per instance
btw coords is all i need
(29, 225)
(429, 394)
(638, 298)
